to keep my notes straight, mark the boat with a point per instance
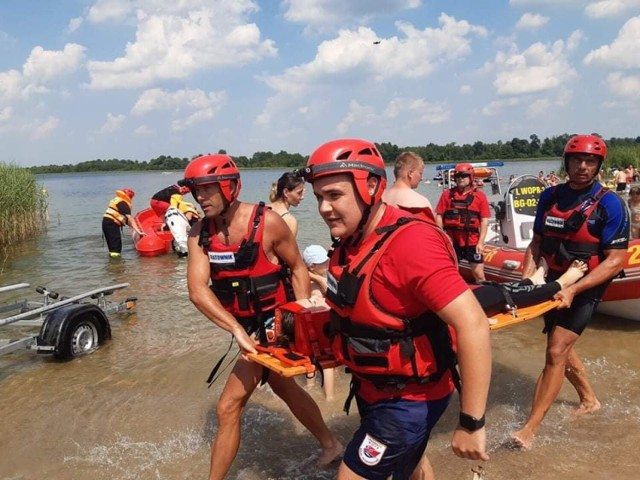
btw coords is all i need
(485, 172)
(156, 240)
(511, 232)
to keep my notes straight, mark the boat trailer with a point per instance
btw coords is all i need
(69, 327)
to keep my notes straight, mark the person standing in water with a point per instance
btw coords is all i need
(287, 192)
(117, 215)
(463, 212)
(408, 171)
(395, 291)
(235, 278)
(575, 220)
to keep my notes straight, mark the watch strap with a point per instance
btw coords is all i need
(471, 423)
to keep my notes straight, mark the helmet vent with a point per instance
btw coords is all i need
(368, 151)
(344, 155)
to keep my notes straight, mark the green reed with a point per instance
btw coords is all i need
(23, 205)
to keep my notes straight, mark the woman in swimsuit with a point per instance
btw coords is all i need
(287, 192)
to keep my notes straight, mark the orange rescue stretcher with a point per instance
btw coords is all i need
(309, 350)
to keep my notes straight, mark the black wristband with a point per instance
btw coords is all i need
(471, 423)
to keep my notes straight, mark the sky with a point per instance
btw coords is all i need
(136, 79)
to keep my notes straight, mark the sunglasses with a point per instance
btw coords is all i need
(461, 175)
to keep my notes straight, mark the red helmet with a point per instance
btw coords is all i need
(465, 168)
(130, 193)
(591, 144)
(216, 168)
(359, 158)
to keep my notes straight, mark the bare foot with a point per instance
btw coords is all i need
(538, 278)
(575, 272)
(523, 438)
(586, 408)
(331, 454)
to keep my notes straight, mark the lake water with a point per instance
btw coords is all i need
(138, 408)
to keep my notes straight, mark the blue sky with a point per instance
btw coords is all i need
(136, 79)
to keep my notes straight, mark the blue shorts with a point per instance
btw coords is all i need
(392, 437)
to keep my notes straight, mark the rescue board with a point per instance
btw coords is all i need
(286, 370)
(522, 314)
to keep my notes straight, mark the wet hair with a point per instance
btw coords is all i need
(634, 190)
(287, 332)
(406, 160)
(287, 180)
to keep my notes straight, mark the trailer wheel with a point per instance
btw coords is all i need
(80, 337)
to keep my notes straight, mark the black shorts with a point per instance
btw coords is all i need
(468, 253)
(621, 187)
(578, 315)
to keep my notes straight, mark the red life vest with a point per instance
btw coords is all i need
(566, 236)
(389, 351)
(245, 281)
(459, 216)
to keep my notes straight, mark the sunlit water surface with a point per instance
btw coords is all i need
(139, 407)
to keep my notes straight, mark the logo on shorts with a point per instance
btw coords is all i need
(371, 450)
(554, 222)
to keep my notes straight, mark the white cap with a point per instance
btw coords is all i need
(314, 254)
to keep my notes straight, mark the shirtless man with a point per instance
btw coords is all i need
(408, 172)
(621, 180)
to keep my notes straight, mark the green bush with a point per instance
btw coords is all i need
(23, 205)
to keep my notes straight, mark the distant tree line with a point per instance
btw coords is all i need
(518, 148)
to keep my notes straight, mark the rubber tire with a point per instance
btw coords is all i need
(81, 336)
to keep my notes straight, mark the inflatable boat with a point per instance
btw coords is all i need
(512, 231)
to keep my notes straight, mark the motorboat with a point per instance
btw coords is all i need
(511, 232)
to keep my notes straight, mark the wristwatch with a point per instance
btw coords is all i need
(471, 423)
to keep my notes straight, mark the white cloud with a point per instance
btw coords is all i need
(415, 114)
(624, 52)
(187, 107)
(351, 58)
(113, 123)
(531, 21)
(75, 23)
(575, 39)
(176, 40)
(144, 131)
(624, 86)
(335, 14)
(465, 89)
(41, 68)
(416, 53)
(11, 85)
(419, 109)
(496, 106)
(5, 114)
(358, 114)
(538, 108)
(110, 11)
(43, 129)
(556, 3)
(44, 65)
(610, 8)
(539, 68)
